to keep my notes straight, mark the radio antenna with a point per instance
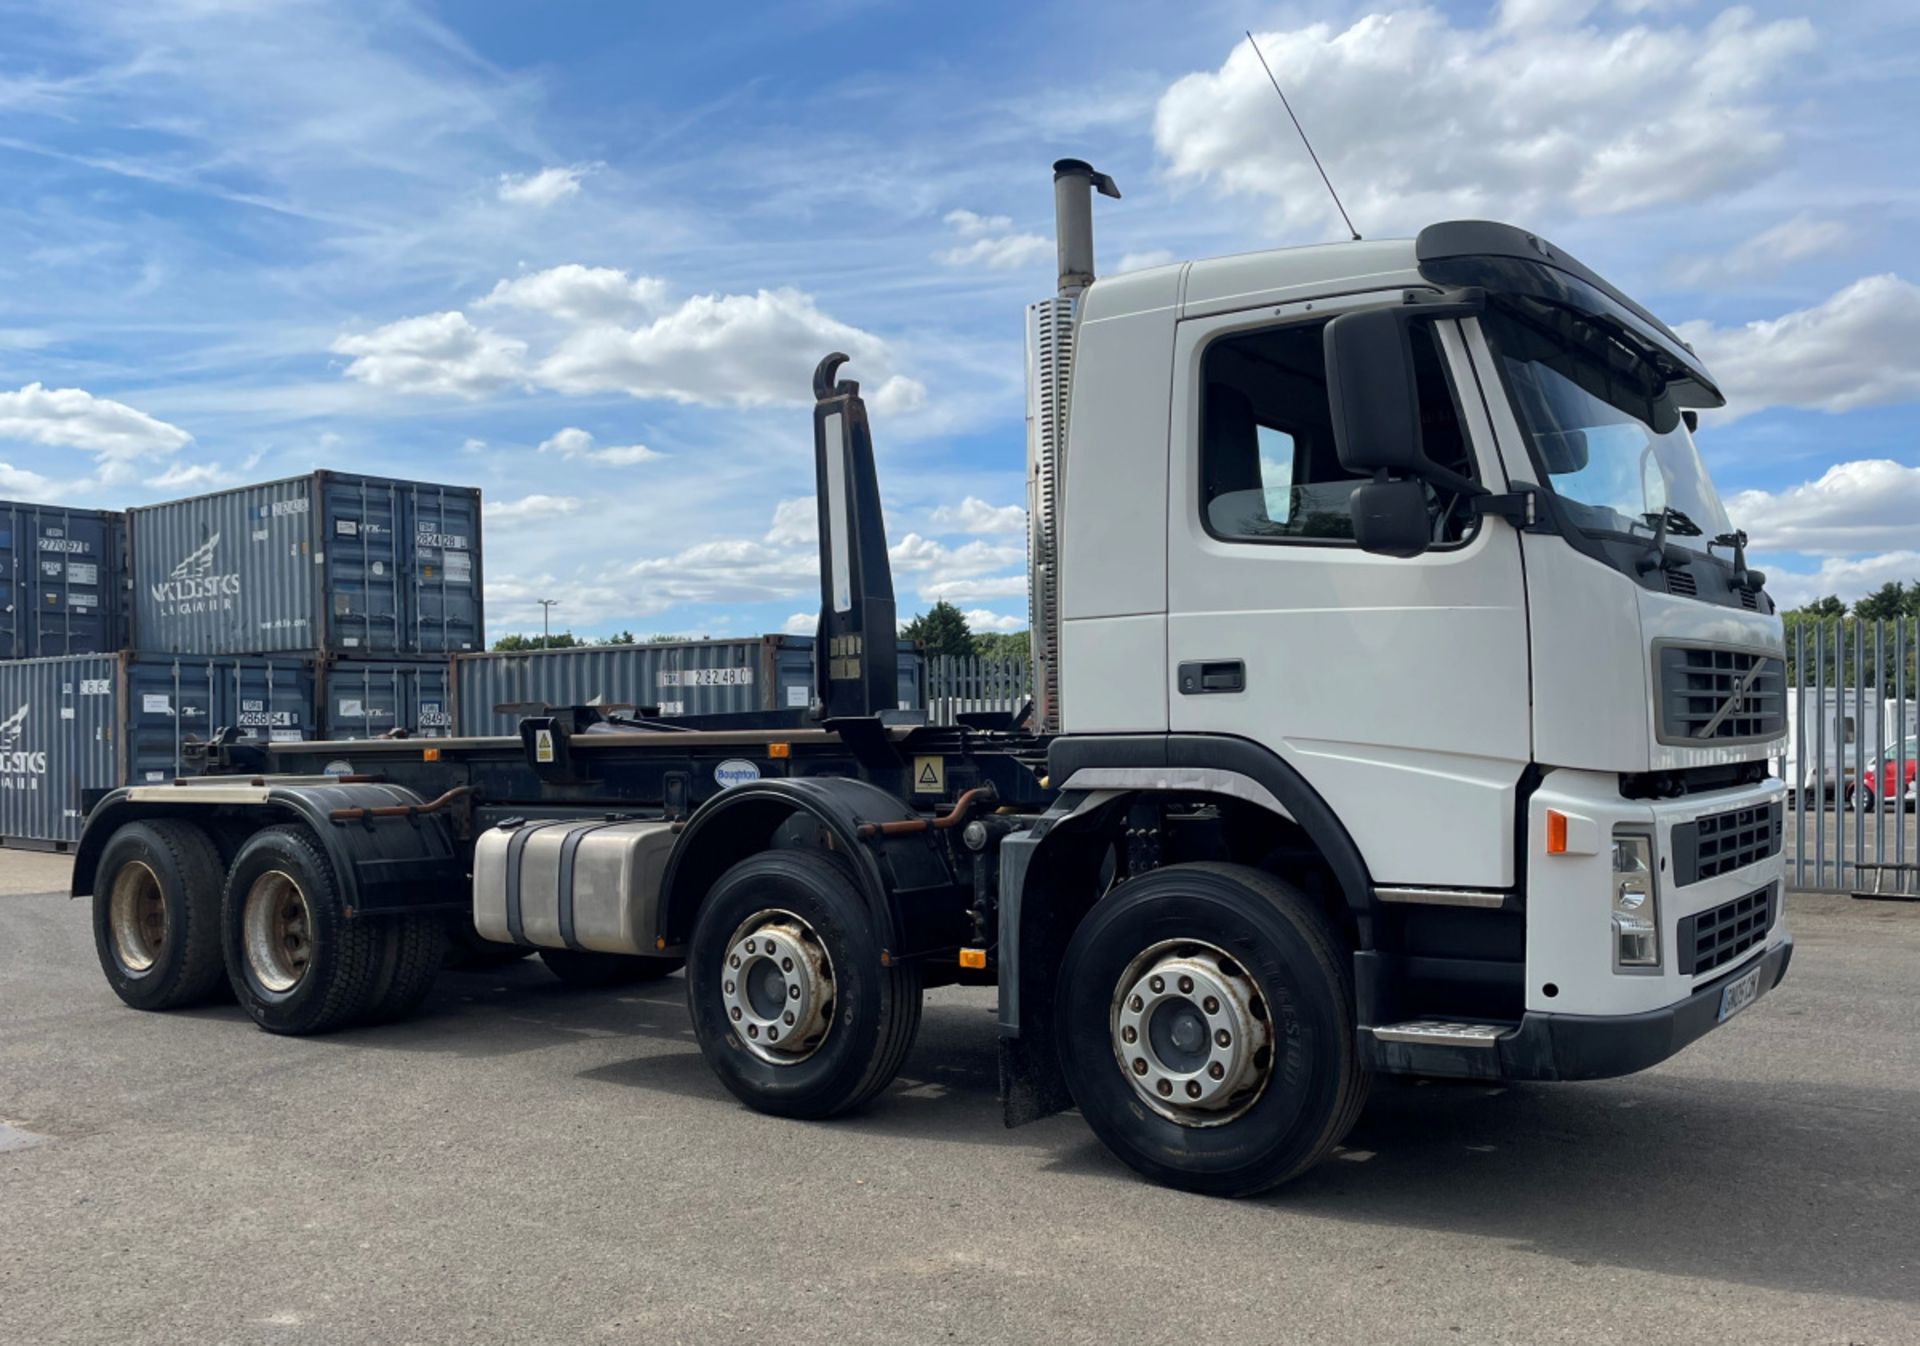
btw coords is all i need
(1303, 136)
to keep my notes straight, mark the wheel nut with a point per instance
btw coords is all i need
(749, 946)
(1217, 1071)
(1193, 1088)
(1223, 1038)
(727, 987)
(734, 961)
(788, 1016)
(1210, 1005)
(1165, 1087)
(1156, 984)
(1139, 1065)
(753, 1030)
(793, 992)
(1128, 1034)
(1136, 1004)
(786, 964)
(773, 1035)
(1186, 986)
(735, 1012)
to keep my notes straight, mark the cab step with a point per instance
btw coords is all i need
(1440, 1033)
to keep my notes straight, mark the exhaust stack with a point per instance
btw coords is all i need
(1051, 326)
(1074, 182)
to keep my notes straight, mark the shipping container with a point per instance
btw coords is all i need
(370, 699)
(62, 581)
(72, 727)
(332, 564)
(699, 677)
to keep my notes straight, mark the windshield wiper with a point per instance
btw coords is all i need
(1753, 581)
(1668, 520)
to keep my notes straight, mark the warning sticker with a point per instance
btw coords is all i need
(543, 745)
(929, 775)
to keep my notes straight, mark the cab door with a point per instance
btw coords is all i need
(1397, 687)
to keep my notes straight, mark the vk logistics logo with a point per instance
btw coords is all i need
(19, 770)
(197, 584)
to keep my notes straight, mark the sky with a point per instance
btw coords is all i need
(585, 256)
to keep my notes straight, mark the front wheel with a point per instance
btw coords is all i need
(793, 1007)
(1206, 1028)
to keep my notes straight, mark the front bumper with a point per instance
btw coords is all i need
(1593, 1047)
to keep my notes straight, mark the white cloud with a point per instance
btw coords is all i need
(544, 188)
(531, 507)
(1789, 241)
(801, 624)
(574, 443)
(1861, 506)
(1856, 349)
(1003, 253)
(978, 590)
(959, 574)
(993, 244)
(974, 515)
(972, 224)
(795, 523)
(1141, 261)
(1419, 119)
(738, 349)
(980, 619)
(728, 570)
(18, 481)
(898, 395)
(580, 294)
(439, 353)
(198, 477)
(72, 418)
(1849, 578)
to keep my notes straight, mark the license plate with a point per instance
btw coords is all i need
(1739, 993)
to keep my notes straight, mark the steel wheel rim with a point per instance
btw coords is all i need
(277, 929)
(777, 987)
(137, 917)
(1192, 1033)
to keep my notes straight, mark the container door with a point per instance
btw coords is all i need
(365, 582)
(444, 596)
(1398, 688)
(268, 700)
(12, 611)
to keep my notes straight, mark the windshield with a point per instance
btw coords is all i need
(1605, 428)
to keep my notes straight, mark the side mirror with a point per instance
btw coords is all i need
(1390, 518)
(1375, 399)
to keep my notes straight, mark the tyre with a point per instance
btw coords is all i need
(410, 950)
(296, 963)
(1206, 1028)
(790, 1001)
(156, 914)
(586, 970)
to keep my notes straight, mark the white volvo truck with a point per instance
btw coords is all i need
(1403, 705)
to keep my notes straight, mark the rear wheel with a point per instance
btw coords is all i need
(410, 950)
(1206, 1028)
(587, 970)
(792, 1005)
(296, 963)
(156, 914)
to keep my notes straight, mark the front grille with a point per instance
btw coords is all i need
(1719, 696)
(1712, 939)
(1720, 843)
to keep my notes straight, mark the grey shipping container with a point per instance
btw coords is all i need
(332, 563)
(70, 728)
(368, 699)
(62, 581)
(702, 677)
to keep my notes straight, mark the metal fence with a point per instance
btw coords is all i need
(1850, 757)
(958, 686)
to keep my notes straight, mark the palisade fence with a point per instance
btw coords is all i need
(1849, 760)
(958, 686)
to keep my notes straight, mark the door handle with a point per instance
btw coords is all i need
(1201, 677)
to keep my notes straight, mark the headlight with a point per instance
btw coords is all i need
(1636, 902)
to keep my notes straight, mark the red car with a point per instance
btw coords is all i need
(1891, 786)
